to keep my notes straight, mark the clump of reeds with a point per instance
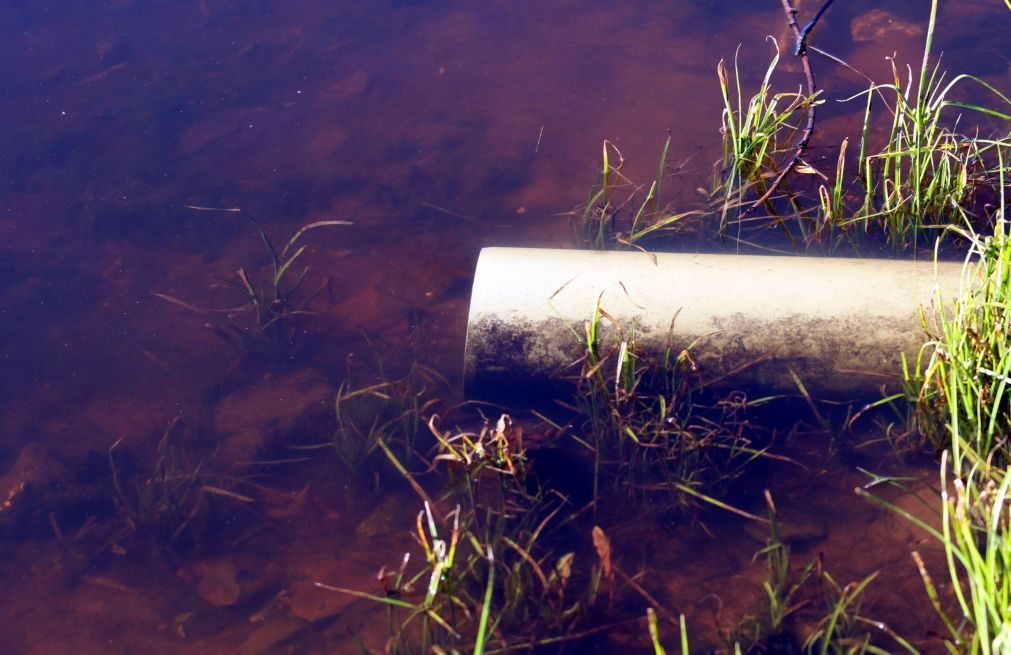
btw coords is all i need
(933, 168)
(964, 398)
(171, 500)
(265, 315)
(643, 423)
(389, 411)
(963, 406)
(486, 579)
(929, 173)
(756, 133)
(806, 609)
(621, 213)
(975, 533)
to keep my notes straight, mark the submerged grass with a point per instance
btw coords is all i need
(487, 583)
(171, 500)
(390, 411)
(643, 422)
(266, 315)
(805, 610)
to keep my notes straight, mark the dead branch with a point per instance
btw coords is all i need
(800, 34)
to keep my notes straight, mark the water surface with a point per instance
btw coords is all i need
(436, 127)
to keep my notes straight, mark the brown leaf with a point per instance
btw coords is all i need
(603, 548)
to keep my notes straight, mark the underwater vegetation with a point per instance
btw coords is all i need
(178, 497)
(265, 315)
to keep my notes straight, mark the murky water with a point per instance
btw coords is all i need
(436, 128)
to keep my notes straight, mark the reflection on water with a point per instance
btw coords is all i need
(436, 128)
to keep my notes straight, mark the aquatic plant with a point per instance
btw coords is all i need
(266, 315)
(781, 586)
(962, 397)
(487, 583)
(963, 406)
(806, 609)
(621, 213)
(842, 629)
(595, 226)
(171, 500)
(391, 411)
(976, 533)
(934, 169)
(929, 173)
(654, 633)
(753, 134)
(976, 536)
(643, 423)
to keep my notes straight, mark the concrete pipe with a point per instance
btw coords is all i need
(839, 324)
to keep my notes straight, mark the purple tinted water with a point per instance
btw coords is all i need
(436, 127)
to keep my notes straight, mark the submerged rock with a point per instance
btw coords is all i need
(266, 638)
(878, 25)
(233, 580)
(311, 603)
(393, 514)
(40, 496)
(254, 418)
(218, 584)
(794, 533)
(351, 571)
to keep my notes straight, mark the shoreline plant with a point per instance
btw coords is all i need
(932, 169)
(963, 407)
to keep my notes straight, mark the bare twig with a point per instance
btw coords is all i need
(800, 34)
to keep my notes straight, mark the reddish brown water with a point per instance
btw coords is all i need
(437, 128)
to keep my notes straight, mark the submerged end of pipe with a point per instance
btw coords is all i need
(520, 362)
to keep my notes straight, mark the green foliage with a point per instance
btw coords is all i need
(755, 132)
(842, 630)
(654, 633)
(934, 167)
(962, 405)
(963, 396)
(647, 433)
(266, 314)
(487, 583)
(928, 174)
(976, 536)
(618, 213)
(976, 529)
(781, 586)
(389, 410)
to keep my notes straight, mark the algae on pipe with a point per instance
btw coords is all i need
(839, 324)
